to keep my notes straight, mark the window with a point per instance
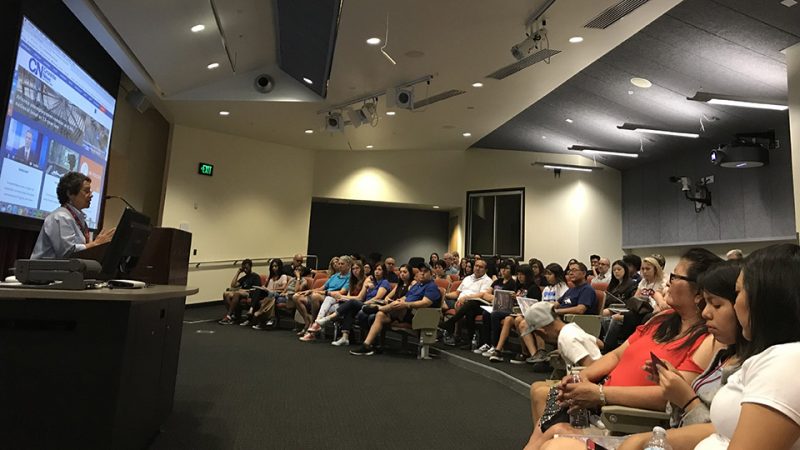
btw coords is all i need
(495, 222)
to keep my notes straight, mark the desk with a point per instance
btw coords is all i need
(88, 369)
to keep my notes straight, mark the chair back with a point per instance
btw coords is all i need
(601, 300)
(309, 282)
(318, 283)
(320, 275)
(588, 323)
(454, 286)
(600, 286)
(263, 280)
(454, 277)
(426, 318)
(442, 283)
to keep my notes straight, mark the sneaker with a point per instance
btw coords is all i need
(246, 323)
(542, 367)
(490, 352)
(496, 358)
(341, 341)
(447, 327)
(308, 337)
(270, 323)
(259, 326)
(518, 359)
(364, 350)
(226, 321)
(314, 328)
(540, 356)
(482, 349)
(302, 332)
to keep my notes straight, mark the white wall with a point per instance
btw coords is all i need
(573, 216)
(793, 73)
(256, 205)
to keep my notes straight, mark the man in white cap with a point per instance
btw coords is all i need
(577, 347)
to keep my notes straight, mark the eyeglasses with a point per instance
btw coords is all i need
(674, 276)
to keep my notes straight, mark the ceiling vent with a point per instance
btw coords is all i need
(437, 98)
(611, 15)
(528, 61)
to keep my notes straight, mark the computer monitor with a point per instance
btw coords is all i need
(127, 245)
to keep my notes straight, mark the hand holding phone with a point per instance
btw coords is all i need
(655, 361)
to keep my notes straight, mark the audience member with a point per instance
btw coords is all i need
(652, 284)
(468, 301)
(602, 274)
(621, 285)
(505, 282)
(263, 297)
(734, 254)
(390, 264)
(240, 289)
(366, 316)
(433, 258)
(339, 281)
(634, 263)
(297, 261)
(265, 320)
(556, 283)
(538, 272)
(423, 294)
(466, 269)
(580, 299)
(502, 324)
(577, 347)
(349, 292)
(452, 264)
(440, 270)
(593, 260)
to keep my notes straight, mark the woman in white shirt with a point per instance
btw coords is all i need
(652, 284)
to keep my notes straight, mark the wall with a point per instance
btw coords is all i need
(137, 158)
(748, 205)
(793, 74)
(256, 205)
(338, 229)
(572, 216)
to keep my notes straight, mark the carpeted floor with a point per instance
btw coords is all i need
(243, 389)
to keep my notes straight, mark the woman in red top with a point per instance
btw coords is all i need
(674, 335)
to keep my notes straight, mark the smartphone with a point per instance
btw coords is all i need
(656, 362)
(592, 445)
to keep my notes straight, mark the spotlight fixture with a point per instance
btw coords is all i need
(732, 100)
(575, 40)
(602, 151)
(212, 66)
(650, 130)
(400, 98)
(524, 48)
(363, 116)
(334, 122)
(374, 41)
(198, 28)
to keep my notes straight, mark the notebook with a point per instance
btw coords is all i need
(503, 301)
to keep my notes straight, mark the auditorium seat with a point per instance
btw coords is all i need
(423, 326)
(321, 275)
(442, 283)
(454, 277)
(600, 286)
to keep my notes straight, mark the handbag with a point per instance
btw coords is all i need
(639, 305)
(553, 412)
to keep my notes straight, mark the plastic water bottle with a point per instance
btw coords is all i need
(474, 341)
(580, 417)
(658, 441)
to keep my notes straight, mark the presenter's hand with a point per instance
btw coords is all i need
(105, 236)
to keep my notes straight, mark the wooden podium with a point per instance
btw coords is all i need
(164, 260)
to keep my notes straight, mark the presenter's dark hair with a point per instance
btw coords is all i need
(70, 184)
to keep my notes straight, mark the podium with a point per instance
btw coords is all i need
(164, 260)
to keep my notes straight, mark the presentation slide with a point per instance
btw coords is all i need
(58, 120)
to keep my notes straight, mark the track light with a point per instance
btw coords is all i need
(334, 122)
(649, 130)
(400, 98)
(602, 151)
(732, 100)
(363, 116)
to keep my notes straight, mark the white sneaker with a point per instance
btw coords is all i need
(483, 348)
(490, 352)
(341, 341)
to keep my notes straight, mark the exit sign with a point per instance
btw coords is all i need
(205, 169)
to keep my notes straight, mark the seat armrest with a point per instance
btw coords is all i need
(625, 420)
(426, 318)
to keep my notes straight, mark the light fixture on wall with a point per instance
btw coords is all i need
(734, 100)
(602, 151)
(650, 130)
(557, 168)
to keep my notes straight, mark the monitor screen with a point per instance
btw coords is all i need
(58, 119)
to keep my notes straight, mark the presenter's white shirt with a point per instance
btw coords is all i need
(61, 236)
(471, 286)
(765, 379)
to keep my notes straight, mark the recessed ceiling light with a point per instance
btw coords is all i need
(478, 84)
(544, 137)
(309, 131)
(369, 146)
(307, 80)
(569, 120)
(390, 113)
(630, 92)
(373, 41)
(466, 134)
(212, 66)
(641, 82)
(224, 113)
(198, 28)
(575, 40)
(435, 206)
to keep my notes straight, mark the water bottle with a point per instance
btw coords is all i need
(474, 341)
(580, 417)
(658, 441)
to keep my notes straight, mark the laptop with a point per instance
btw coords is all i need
(525, 303)
(503, 301)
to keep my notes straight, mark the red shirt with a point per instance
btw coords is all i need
(629, 370)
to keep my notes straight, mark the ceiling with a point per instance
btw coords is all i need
(458, 42)
(719, 46)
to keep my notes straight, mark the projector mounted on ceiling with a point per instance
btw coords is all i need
(747, 151)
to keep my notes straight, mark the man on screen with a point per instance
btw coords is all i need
(65, 231)
(25, 154)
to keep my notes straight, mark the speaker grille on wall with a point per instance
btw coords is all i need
(138, 100)
(615, 12)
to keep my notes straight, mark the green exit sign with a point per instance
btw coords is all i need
(205, 169)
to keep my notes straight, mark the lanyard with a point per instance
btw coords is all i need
(81, 223)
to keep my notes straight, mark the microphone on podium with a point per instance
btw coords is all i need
(121, 198)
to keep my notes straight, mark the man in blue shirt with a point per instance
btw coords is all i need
(422, 294)
(338, 282)
(580, 299)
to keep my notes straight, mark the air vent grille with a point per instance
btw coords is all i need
(611, 15)
(523, 63)
(437, 98)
